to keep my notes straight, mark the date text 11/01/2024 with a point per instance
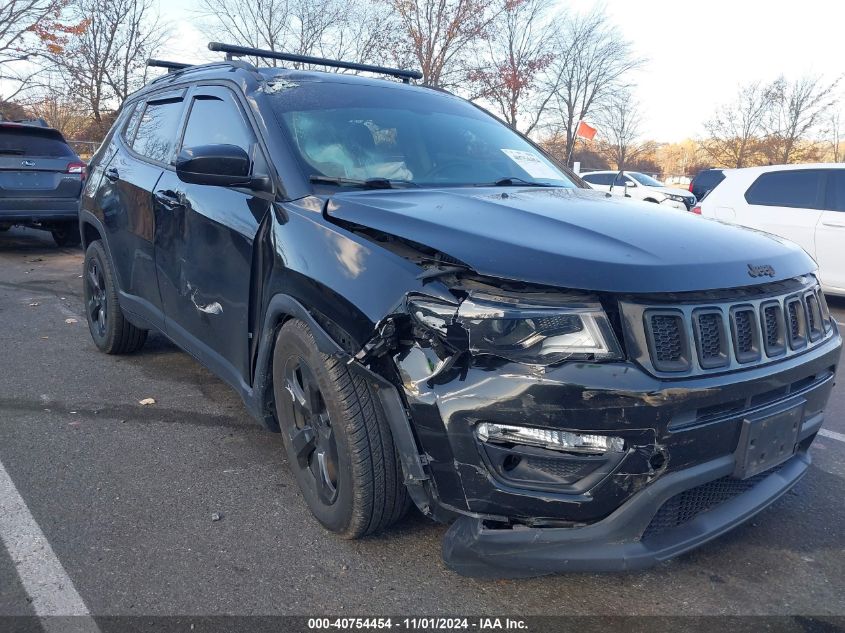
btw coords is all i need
(418, 624)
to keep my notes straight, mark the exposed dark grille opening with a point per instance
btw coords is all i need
(687, 505)
(710, 335)
(814, 314)
(668, 344)
(795, 323)
(744, 321)
(772, 333)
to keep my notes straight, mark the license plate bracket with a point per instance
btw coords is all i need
(767, 439)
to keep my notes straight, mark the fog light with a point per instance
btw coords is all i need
(555, 440)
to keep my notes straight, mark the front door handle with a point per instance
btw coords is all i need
(838, 225)
(112, 174)
(170, 199)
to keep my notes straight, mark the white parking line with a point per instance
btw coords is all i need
(832, 435)
(45, 580)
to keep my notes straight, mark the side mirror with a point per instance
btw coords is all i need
(219, 165)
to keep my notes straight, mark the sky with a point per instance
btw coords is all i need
(697, 53)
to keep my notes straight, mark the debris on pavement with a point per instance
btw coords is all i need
(147, 401)
(71, 321)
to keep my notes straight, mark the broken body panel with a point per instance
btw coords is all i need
(404, 286)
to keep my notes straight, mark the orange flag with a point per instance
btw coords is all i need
(585, 131)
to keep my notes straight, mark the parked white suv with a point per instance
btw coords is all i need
(633, 184)
(803, 203)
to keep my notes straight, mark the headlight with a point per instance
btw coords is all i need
(672, 196)
(534, 333)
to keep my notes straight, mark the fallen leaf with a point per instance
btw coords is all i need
(71, 321)
(147, 401)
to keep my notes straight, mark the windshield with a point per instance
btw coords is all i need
(353, 133)
(648, 181)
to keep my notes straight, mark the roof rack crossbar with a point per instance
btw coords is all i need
(231, 49)
(171, 67)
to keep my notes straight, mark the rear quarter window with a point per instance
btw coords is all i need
(32, 143)
(800, 188)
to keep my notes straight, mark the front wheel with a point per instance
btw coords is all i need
(337, 440)
(111, 332)
(66, 234)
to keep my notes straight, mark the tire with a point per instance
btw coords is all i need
(111, 332)
(66, 234)
(337, 440)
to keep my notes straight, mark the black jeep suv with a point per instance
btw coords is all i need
(432, 310)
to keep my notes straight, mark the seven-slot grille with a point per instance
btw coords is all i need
(734, 334)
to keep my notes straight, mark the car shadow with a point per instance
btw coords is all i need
(30, 241)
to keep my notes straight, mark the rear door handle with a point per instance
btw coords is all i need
(170, 199)
(112, 174)
(838, 225)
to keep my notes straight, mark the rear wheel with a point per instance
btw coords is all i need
(66, 234)
(337, 440)
(111, 332)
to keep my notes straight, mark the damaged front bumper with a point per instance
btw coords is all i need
(546, 515)
(628, 539)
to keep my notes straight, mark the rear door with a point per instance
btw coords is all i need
(787, 203)
(125, 195)
(36, 162)
(204, 240)
(830, 233)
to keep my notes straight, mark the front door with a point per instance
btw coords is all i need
(204, 240)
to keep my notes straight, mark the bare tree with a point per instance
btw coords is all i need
(357, 30)
(796, 108)
(439, 33)
(515, 52)
(733, 134)
(834, 131)
(591, 62)
(27, 29)
(62, 113)
(105, 62)
(259, 24)
(619, 122)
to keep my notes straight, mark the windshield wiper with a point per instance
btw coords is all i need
(510, 181)
(11, 151)
(369, 183)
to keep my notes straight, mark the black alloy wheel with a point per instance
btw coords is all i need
(312, 436)
(97, 300)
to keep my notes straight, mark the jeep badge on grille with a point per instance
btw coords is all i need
(761, 271)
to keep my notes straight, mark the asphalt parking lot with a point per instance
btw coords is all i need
(127, 496)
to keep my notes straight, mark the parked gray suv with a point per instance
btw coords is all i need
(40, 181)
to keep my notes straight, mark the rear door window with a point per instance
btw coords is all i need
(32, 143)
(799, 188)
(157, 130)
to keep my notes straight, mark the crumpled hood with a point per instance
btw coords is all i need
(575, 238)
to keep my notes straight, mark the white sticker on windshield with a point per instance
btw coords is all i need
(533, 165)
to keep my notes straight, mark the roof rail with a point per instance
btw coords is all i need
(171, 67)
(232, 50)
